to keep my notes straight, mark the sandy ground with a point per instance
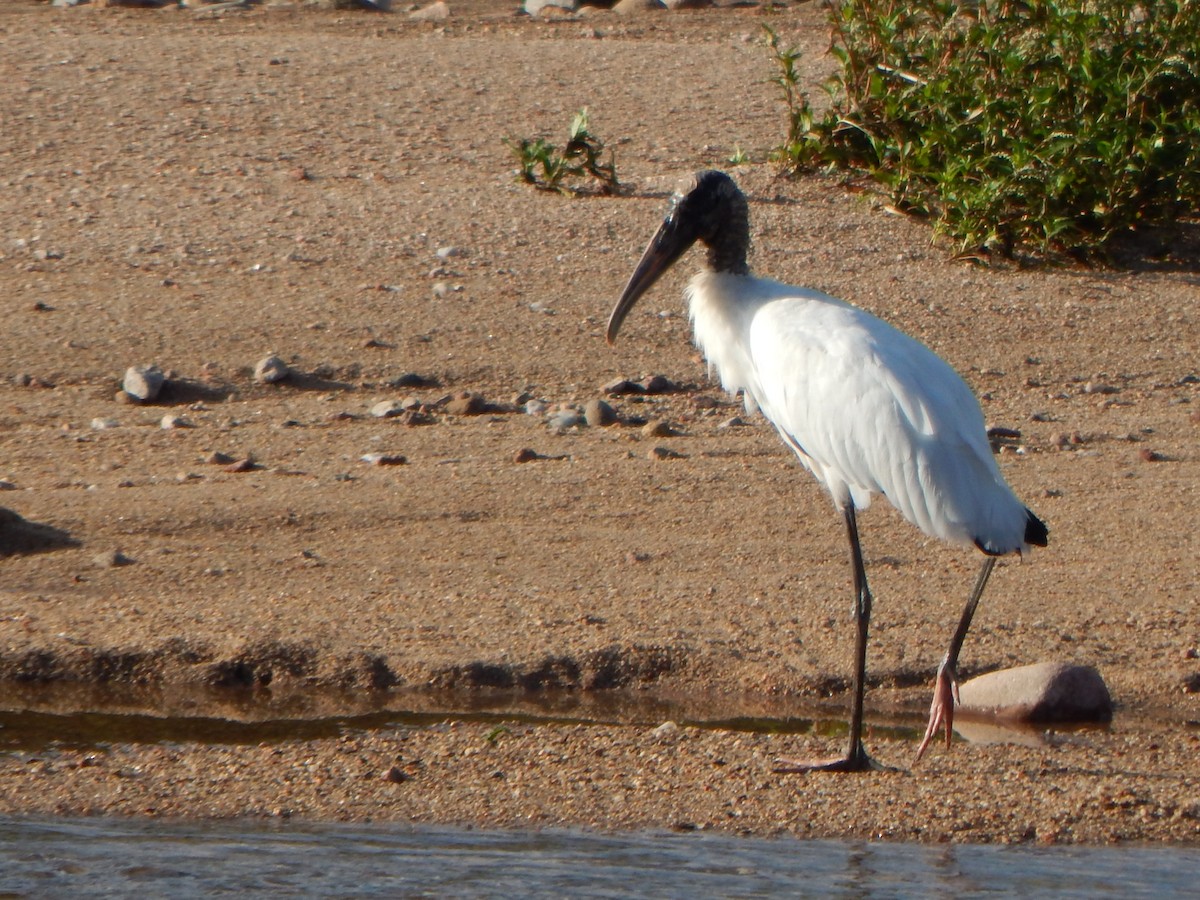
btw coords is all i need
(198, 192)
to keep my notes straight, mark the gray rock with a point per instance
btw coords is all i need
(143, 383)
(564, 418)
(659, 384)
(271, 369)
(534, 7)
(597, 413)
(387, 409)
(1043, 692)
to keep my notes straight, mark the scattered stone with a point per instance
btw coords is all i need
(396, 775)
(435, 12)
(1149, 455)
(384, 459)
(597, 413)
(445, 253)
(1044, 692)
(1094, 388)
(665, 730)
(526, 454)
(535, 407)
(1062, 440)
(565, 417)
(271, 369)
(99, 424)
(111, 559)
(387, 409)
(626, 7)
(658, 428)
(217, 458)
(242, 465)
(659, 384)
(661, 453)
(535, 7)
(7, 486)
(734, 422)
(143, 383)
(170, 421)
(411, 380)
(999, 433)
(622, 386)
(466, 403)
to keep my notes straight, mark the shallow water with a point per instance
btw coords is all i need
(118, 857)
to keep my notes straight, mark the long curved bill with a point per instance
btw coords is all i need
(668, 244)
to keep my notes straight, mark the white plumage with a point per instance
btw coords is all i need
(867, 409)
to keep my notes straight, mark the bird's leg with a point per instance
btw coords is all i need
(856, 759)
(945, 691)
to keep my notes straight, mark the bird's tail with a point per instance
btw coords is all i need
(1036, 532)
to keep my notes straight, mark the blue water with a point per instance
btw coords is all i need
(122, 858)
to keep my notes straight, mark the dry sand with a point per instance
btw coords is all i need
(199, 192)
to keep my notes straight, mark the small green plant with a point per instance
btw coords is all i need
(547, 167)
(1049, 125)
(738, 157)
(493, 736)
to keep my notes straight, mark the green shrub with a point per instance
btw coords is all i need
(544, 165)
(1051, 125)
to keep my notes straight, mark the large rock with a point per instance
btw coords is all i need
(1043, 692)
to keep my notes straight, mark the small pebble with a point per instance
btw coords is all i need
(384, 459)
(386, 409)
(466, 404)
(659, 384)
(271, 369)
(171, 421)
(597, 413)
(99, 424)
(111, 559)
(622, 386)
(666, 729)
(143, 383)
(564, 419)
(658, 453)
(658, 428)
(525, 454)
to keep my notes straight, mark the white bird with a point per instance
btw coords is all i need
(866, 408)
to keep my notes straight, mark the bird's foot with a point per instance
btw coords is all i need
(941, 710)
(858, 761)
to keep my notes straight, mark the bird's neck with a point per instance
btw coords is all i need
(728, 246)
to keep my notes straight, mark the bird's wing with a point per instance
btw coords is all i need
(873, 411)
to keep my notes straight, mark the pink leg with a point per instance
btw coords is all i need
(941, 710)
(945, 691)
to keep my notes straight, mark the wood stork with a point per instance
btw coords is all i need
(867, 409)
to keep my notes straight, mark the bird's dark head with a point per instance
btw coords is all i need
(711, 210)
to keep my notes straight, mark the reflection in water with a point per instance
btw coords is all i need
(117, 857)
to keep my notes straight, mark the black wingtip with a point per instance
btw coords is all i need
(1036, 532)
